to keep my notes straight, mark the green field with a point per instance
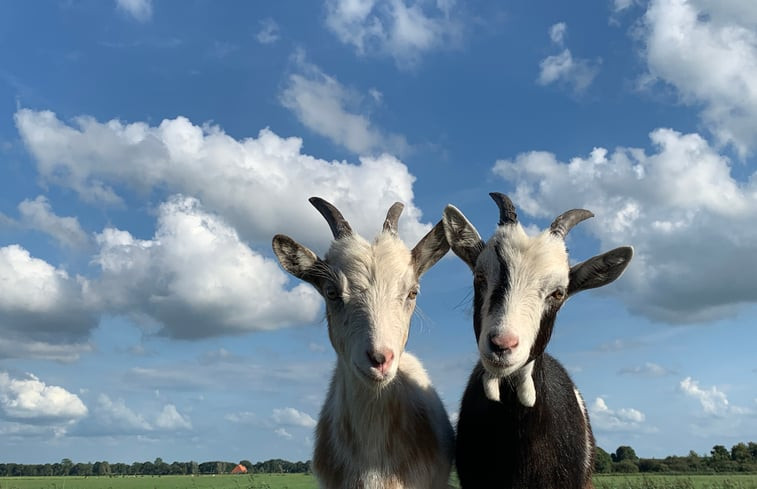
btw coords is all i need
(616, 481)
(302, 481)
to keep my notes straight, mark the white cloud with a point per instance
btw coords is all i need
(283, 433)
(196, 277)
(714, 402)
(707, 50)
(649, 369)
(689, 220)
(269, 31)
(292, 417)
(626, 419)
(557, 33)
(42, 309)
(38, 214)
(563, 68)
(233, 178)
(332, 110)
(620, 5)
(113, 417)
(31, 400)
(396, 28)
(170, 419)
(141, 10)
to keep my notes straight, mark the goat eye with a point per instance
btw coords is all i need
(412, 294)
(558, 294)
(331, 292)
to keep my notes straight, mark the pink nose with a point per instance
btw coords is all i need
(503, 342)
(381, 359)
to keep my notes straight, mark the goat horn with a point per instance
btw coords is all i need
(338, 224)
(390, 224)
(565, 221)
(507, 214)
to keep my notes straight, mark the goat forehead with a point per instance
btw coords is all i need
(384, 264)
(529, 259)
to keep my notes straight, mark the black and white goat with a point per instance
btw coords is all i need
(382, 424)
(522, 422)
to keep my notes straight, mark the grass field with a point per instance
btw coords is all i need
(301, 481)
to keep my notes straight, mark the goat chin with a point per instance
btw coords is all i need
(526, 390)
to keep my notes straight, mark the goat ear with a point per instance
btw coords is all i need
(462, 236)
(599, 270)
(430, 249)
(295, 258)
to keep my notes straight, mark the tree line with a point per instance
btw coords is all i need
(156, 468)
(742, 457)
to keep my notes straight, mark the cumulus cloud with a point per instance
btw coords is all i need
(38, 214)
(676, 206)
(44, 311)
(624, 419)
(196, 277)
(283, 433)
(332, 110)
(713, 401)
(30, 400)
(115, 417)
(234, 178)
(111, 417)
(396, 28)
(140, 10)
(707, 50)
(170, 419)
(269, 31)
(291, 417)
(563, 68)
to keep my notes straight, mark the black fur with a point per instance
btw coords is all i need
(506, 445)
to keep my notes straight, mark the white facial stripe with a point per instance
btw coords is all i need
(536, 266)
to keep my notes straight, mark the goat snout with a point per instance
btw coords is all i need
(501, 343)
(381, 359)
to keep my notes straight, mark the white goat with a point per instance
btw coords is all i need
(522, 422)
(382, 424)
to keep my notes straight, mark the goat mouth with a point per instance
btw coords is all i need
(497, 366)
(373, 377)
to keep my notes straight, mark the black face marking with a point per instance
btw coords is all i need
(503, 283)
(546, 326)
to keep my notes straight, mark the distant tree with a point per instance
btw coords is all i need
(193, 468)
(740, 453)
(625, 453)
(602, 461)
(625, 466)
(247, 464)
(66, 466)
(652, 465)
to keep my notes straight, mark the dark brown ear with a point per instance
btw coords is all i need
(599, 270)
(462, 236)
(430, 249)
(295, 258)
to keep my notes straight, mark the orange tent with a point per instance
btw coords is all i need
(239, 469)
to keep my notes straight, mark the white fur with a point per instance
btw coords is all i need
(588, 446)
(358, 428)
(537, 266)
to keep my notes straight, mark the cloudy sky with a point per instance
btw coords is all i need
(150, 150)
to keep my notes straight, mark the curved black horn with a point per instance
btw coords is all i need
(338, 224)
(390, 223)
(565, 221)
(507, 214)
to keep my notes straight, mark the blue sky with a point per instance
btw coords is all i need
(150, 150)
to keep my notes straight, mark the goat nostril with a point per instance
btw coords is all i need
(503, 342)
(381, 360)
